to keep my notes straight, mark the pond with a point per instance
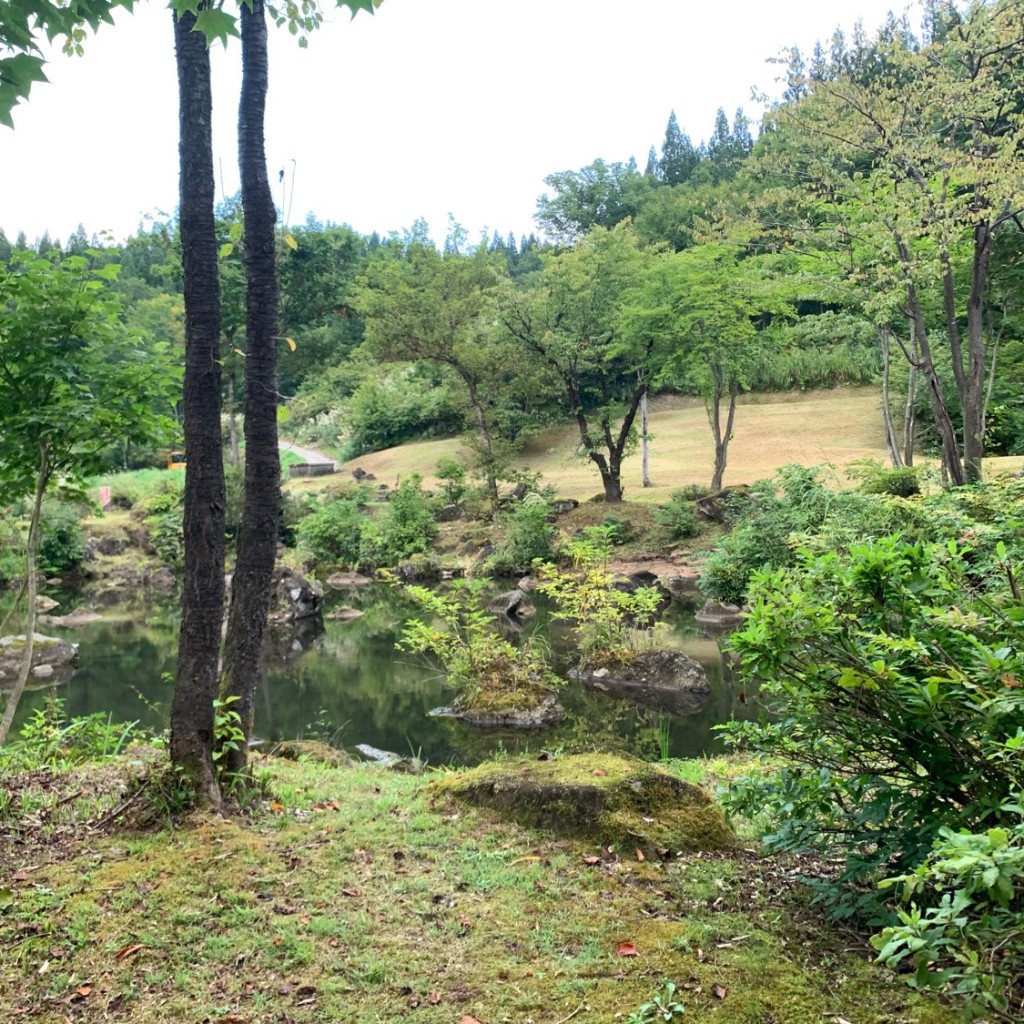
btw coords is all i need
(348, 684)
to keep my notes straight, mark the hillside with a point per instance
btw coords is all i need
(839, 426)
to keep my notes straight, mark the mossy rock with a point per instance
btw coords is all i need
(312, 750)
(610, 799)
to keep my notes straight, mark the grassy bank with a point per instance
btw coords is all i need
(358, 895)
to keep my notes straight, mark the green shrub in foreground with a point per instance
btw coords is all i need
(897, 707)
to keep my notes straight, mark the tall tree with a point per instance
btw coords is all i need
(256, 544)
(598, 194)
(922, 145)
(679, 158)
(570, 322)
(202, 601)
(71, 384)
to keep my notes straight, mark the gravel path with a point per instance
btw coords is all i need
(306, 454)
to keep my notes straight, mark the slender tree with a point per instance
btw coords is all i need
(202, 602)
(256, 545)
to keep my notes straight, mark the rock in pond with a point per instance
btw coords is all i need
(348, 581)
(601, 797)
(513, 603)
(534, 716)
(50, 653)
(668, 681)
(293, 596)
(718, 616)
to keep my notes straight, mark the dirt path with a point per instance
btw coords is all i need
(314, 458)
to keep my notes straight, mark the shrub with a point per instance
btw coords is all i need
(452, 475)
(963, 929)
(333, 533)
(791, 510)
(895, 697)
(678, 515)
(528, 538)
(611, 625)
(61, 542)
(406, 526)
(901, 482)
(489, 672)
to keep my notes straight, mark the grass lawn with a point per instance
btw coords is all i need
(808, 428)
(358, 895)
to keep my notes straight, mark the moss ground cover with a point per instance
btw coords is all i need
(359, 895)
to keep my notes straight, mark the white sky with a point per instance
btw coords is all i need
(430, 107)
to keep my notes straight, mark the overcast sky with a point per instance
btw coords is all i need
(429, 108)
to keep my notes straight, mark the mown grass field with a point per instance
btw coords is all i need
(839, 427)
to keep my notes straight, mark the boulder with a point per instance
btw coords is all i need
(343, 614)
(642, 579)
(607, 799)
(720, 617)
(666, 681)
(348, 581)
(560, 506)
(69, 621)
(45, 604)
(683, 588)
(527, 583)
(536, 716)
(513, 603)
(110, 545)
(294, 597)
(312, 750)
(49, 652)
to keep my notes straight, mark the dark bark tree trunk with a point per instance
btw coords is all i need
(910, 405)
(202, 601)
(486, 440)
(256, 545)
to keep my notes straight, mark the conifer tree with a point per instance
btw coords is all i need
(678, 157)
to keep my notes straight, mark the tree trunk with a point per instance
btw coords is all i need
(909, 407)
(256, 547)
(611, 476)
(973, 396)
(890, 429)
(486, 441)
(645, 477)
(202, 600)
(722, 437)
(32, 589)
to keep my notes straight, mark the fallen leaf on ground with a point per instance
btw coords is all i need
(591, 860)
(128, 951)
(718, 991)
(600, 771)
(467, 1019)
(625, 949)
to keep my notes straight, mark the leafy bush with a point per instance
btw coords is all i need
(61, 542)
(528, 537)
(678, 515)
(406, 526)
(896, 703)
(489, 672)
(901, 482)
(794, 508)
(964, 930)
(161, 513)
(405, 404)
(452, 475)
(611, 625)
(50, 738)
(333, 533)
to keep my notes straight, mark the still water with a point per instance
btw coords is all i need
(348, 684)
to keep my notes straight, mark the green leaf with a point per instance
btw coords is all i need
(225, 250)
(216, 25)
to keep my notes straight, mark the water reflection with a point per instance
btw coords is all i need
(346, 682)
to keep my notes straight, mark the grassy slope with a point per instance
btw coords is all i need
(359, 896)
(838, 426)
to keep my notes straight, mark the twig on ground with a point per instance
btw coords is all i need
(119, 810)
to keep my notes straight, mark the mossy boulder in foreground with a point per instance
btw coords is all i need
(612, 800)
